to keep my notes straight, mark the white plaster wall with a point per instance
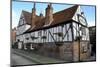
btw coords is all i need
(49, 38)
(69, 33)
(22, 29)
(84, 37)
(78, 11)
(27, 36)
(19, 38)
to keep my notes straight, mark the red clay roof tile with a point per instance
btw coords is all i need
(58, 17)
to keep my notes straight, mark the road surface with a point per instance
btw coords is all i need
(20, 60)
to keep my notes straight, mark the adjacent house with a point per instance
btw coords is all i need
(92, 33)
(13, 36)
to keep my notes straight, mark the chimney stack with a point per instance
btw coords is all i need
(49, 14)
(33, 15)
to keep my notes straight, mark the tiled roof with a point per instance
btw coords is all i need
(64, 15)
(58, 17)
(38, 24)
(27, 17)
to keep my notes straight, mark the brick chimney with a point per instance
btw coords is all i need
(49, 14)
(33, 15)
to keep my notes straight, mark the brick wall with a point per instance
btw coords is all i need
(85, 50)
(63, 51)
(68, 51)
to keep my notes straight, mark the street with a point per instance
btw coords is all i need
(20, 57)
(19, 60)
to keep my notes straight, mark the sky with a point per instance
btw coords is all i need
(17, 8)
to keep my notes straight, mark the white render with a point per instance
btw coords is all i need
(22, 29)
(48, 35)
(78, 11)
(76, 32)
(19, 45)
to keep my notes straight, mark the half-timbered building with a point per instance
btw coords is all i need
(62, 35)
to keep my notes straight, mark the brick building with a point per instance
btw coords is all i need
(13, 36)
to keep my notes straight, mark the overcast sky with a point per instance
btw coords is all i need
(17, 8)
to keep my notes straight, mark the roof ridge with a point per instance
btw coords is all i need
(26, 11)
(66, 9)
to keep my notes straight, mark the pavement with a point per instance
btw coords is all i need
(31, 58)
(92, 58)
